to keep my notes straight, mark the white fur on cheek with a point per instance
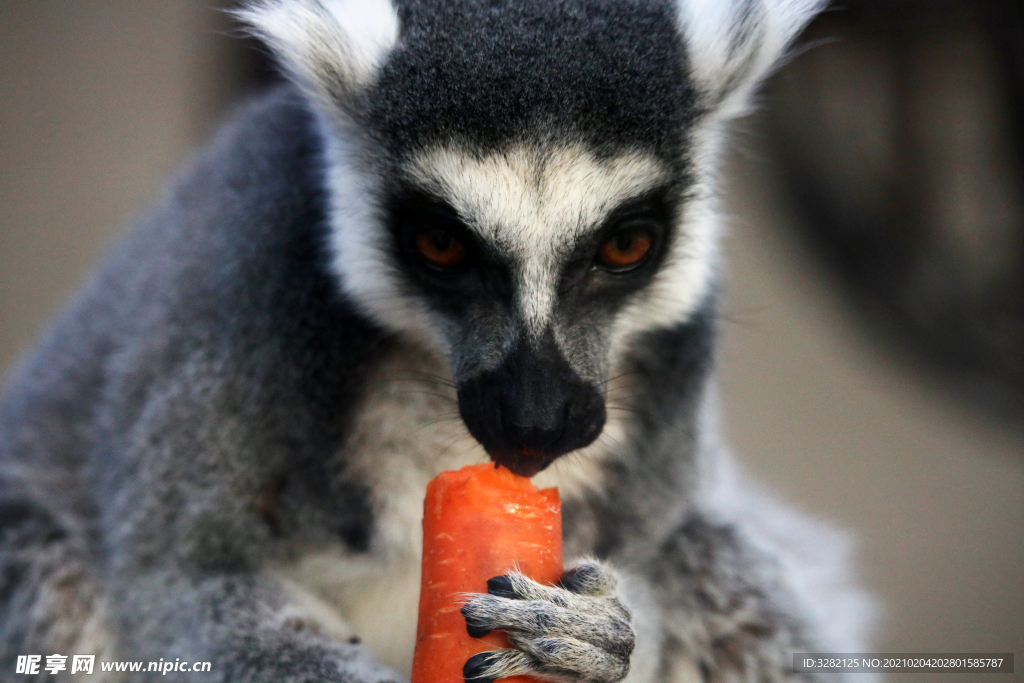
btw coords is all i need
(361, 256)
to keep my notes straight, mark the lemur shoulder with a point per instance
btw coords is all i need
(466, 230)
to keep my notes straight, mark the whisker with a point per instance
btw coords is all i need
(412, 392)
(619, 376)
(660, 420)
(444, 419)
(458, 439)
(426, 375)
(616, 442)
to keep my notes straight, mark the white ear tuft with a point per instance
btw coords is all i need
(333, 48)
(733, 44)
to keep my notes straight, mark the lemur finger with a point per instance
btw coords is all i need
(589, 578)
(602, 622)
(513, 586)
(487, 667)
(516, 586)
(477, 624)
(588, 662)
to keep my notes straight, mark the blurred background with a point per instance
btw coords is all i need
(873, 357)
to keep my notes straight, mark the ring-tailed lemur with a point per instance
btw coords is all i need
(468, 229)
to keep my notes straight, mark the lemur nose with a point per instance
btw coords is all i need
(532, 408)
(534, 433)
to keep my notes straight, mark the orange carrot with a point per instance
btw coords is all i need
(478, 523)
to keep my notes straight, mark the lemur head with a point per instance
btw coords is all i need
(526, 185)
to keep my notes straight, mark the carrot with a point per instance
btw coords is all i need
(478, 523)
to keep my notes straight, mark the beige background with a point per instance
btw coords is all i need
(100, 101)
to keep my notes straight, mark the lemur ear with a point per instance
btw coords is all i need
(332, 49)
(733, 44)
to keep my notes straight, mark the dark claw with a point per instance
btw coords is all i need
(474, 627)
(474, 667)
(501, 586)
(580, 579)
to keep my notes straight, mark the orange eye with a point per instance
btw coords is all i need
(625, 250)
(440, 248)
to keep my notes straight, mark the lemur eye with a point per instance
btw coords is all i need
(625, 250)
(440, 248)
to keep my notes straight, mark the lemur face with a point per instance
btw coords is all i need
(525, 259)
(524, 185)
(527, 220)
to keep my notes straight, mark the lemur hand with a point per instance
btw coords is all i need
(575, 632)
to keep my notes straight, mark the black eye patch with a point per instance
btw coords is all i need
(440, 254)
(636, 232)
(429, 235)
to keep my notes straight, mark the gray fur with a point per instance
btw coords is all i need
(219, 452)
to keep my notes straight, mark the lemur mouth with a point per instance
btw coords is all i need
(524, 461)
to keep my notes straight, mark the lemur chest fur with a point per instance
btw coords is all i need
(407, 431)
